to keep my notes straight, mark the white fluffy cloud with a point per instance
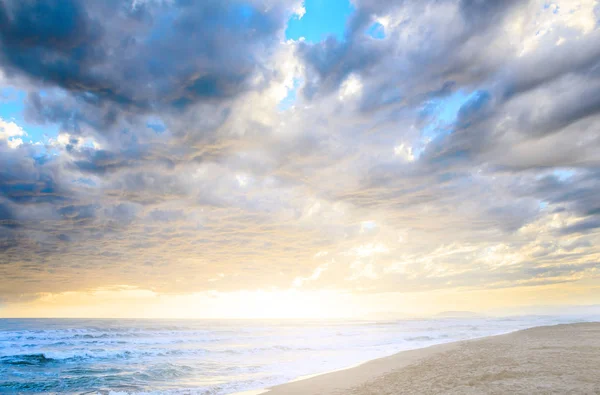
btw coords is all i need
(11, 133)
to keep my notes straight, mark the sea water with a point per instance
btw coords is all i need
(77, 356)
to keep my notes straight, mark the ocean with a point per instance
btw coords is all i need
(113, 356)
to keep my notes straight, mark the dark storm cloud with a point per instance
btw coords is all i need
(49, 40)
(139, 55)
(72, 113)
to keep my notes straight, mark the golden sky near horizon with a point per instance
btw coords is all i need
(124, 302)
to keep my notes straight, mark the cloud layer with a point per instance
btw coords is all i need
(458, 147)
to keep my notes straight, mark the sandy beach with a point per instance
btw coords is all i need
(561, 359)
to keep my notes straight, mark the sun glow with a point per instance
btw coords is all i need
(293, 303)
(123, 302)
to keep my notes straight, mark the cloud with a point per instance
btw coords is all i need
(174, 163)
(582, 226)
(140, 55)
(11, 133)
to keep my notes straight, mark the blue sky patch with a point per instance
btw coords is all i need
(323, 18)
(563, 174)
(243, 13)
(156, 124)
(443, 113)
(291, 97)
(85, 181)
(377, 31)
(476, 102)
(12, 105)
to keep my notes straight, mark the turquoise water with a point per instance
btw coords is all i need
(209, 357)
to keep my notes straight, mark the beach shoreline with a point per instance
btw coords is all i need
(526, 351)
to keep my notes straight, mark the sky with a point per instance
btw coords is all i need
(298, 159)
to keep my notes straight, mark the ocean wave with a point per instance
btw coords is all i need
(153, 357)
(26, 359)
(102, 334)
(254, 350)
(425, 338)
(164, 372)
(98, 354)
(78, 353)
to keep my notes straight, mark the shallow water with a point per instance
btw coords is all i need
(207, 356)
